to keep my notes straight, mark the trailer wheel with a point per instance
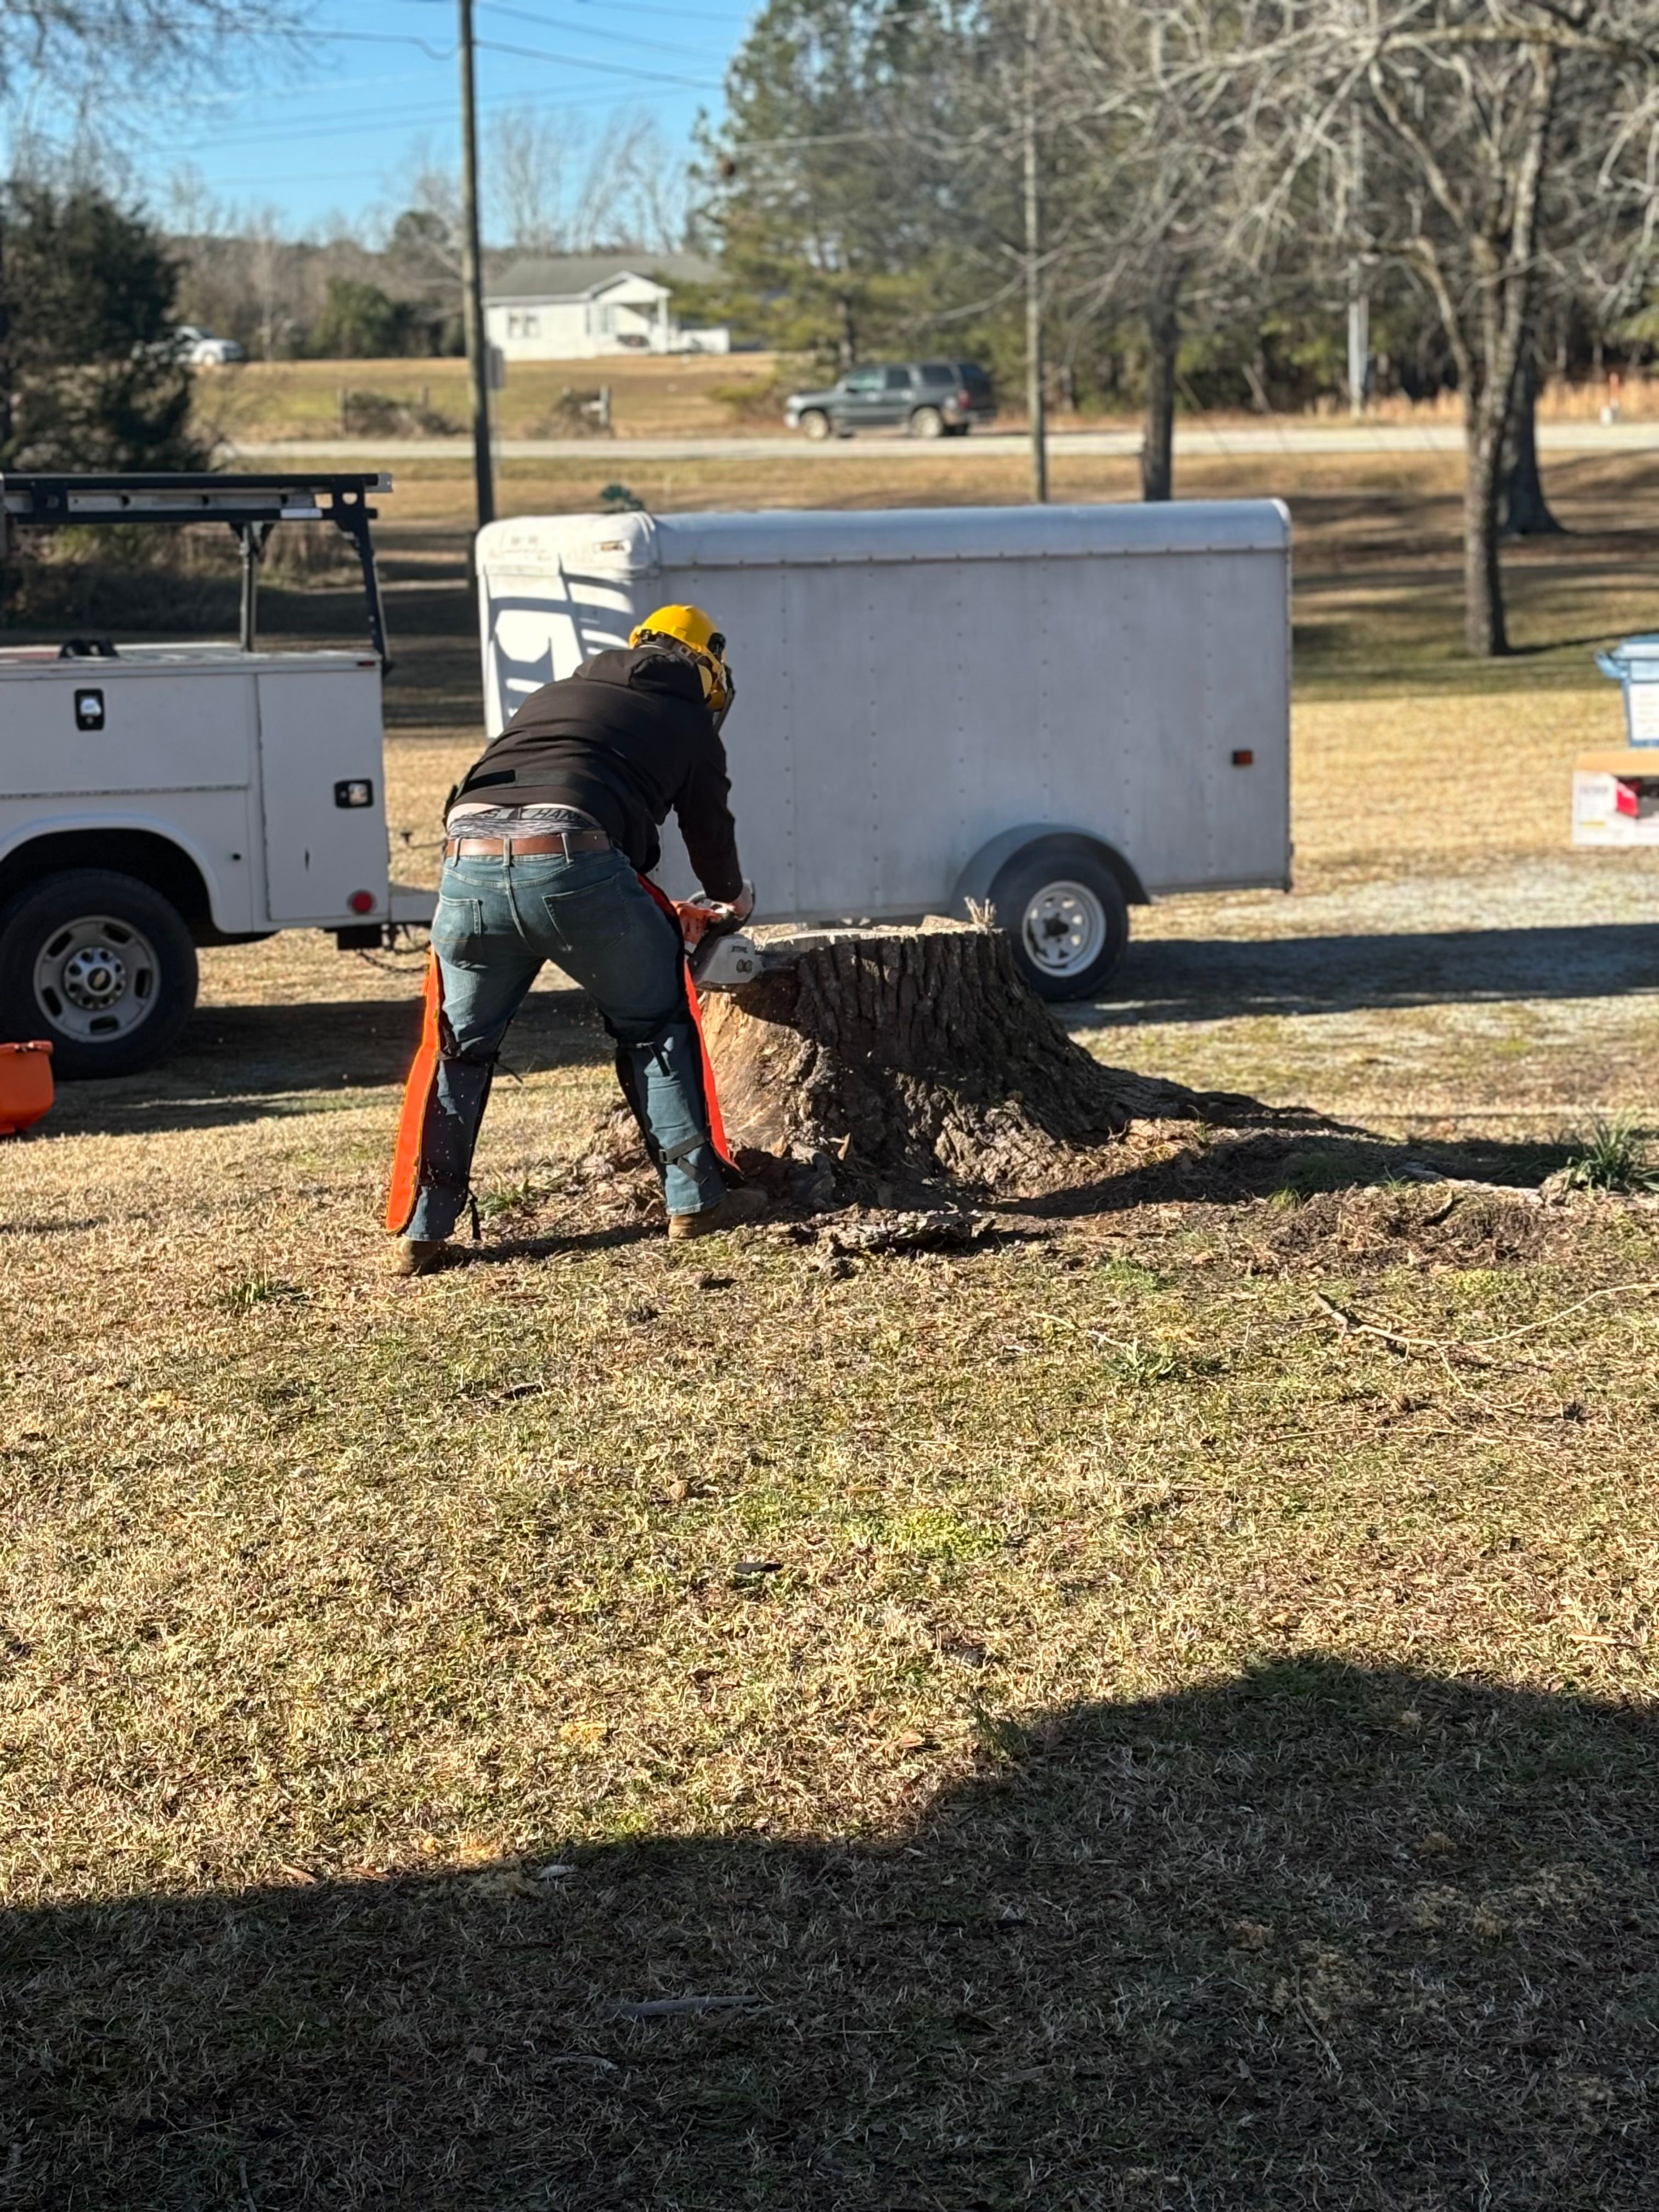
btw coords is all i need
(100, 965)
(1066, 914)
(815, 423)
(928, 423)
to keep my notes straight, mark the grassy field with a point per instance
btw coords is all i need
(1153, 1712)
(681, 395)
(674, 396)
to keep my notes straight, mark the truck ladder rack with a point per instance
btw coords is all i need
(251, 506)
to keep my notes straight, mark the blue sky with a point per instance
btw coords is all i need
(338, 130)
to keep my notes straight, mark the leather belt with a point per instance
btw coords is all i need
(566, 841)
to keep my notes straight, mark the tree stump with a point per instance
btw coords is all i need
(883, 1064)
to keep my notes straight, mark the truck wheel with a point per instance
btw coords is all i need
(926, 423)
(1066, 911)
(100, 965)
(816, 423)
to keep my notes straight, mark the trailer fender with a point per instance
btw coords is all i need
(981, 872)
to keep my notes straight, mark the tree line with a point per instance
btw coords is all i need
(1152, 196)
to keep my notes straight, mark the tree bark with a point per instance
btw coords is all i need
(1485, 630)
(1487, 319)
(849, 347)
(887, 1065)
(1526, 512)
(1162, 345)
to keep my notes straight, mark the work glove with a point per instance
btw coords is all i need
(700, 918)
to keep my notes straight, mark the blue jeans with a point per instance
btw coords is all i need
(497, 921)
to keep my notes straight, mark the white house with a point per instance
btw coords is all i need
(571, 307)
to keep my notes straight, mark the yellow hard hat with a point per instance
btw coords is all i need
(692, 629)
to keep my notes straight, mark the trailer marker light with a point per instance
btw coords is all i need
(357, 792)
(1244, 757)
(361, 901)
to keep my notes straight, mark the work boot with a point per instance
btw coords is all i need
(728, 1212)
(413, 1256)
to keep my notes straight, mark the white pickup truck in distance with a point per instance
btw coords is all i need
(154, 798)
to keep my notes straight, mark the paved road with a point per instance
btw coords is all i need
(1190, 443)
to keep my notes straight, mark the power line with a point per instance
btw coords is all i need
(396, 119)
(611, 68)
(639, 7)
(581, 30)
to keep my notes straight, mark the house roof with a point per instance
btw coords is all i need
(578, 275)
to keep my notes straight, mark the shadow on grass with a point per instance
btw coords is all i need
(1207, 979)
(504, 1245)
(1316, 1936)
(241, 1063)
(1229, 1169)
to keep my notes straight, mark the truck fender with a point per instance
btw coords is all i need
(42, 829)
(981, 872)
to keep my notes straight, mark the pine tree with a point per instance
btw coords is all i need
(92, 380)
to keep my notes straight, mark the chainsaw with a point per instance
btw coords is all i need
(723, 956)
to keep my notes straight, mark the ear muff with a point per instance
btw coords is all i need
(719, 686)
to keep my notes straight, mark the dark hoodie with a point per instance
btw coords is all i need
(623, 739)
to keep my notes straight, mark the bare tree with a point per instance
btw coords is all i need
(65, 64)
(267, 256)
(529, 162)
(631, 190)
(653, 186)
(1501, 135)
(553, 185)
(1149, 173)
(1156, 107)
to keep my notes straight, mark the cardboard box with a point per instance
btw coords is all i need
(1615, 797)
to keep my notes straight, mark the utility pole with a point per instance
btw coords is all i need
(477, 364)
(1034, 396)
(5, 368)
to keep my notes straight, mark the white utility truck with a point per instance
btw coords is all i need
(1057, 711)
(154, 798)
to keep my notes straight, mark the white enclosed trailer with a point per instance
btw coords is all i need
(1058, 711)
(154, 798)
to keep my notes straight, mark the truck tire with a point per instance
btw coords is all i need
(815, 423)
(926, 423)
(1065, 912)
(101, 966)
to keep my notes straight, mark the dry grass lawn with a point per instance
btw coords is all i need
(1153, 1712)
(671, 397)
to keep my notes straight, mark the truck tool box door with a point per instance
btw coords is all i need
(81, 728)
(320, 774)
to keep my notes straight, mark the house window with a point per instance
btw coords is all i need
(604, 322)
(532, 326)
(523, 327)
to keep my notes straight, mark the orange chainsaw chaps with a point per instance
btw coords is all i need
(405, 1185)
(711, 1097)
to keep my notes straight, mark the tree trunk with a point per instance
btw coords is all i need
(1163, 344)
(887, 1065)
(848, 346)
(1526, 512)
(1484, 629)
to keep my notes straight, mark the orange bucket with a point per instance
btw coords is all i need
(25, 1086)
